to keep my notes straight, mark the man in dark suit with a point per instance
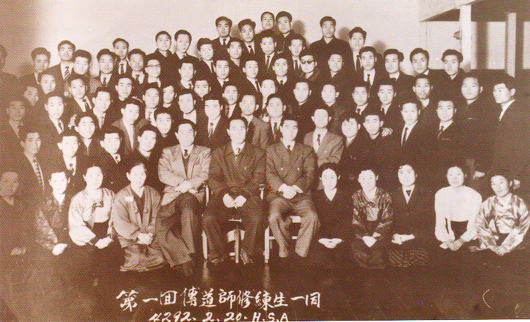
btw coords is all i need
(106, 76)
(183, 41)
(74, 162)
(10, 128)
(419, 59)
(258, 130)
(290, 171)
(212, 133)
(41, 60)
(121, 50)
(222, 71)
(403, 83)
(390, 109)
(328, 146)
(453, 75)
(249, 83)
(275, 109)
(370, 73)
(284, 81)
(247, 29)
(220, 44)
(164, 56)
(268, 47)
(183, 169)
(422, 90)
(329, 43)
(52, 124)
(237, 169)
(284, 22)
(62, 70)
(130, 124)
(111, 161)
(205, 67)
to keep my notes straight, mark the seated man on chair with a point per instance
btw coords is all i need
(290, 171)
(183, 168)
(237, 169)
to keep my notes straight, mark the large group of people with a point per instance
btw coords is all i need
(125, 170)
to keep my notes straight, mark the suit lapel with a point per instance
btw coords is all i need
(193, 156)
(324, 142)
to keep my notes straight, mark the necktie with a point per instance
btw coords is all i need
(71, 169)
(275, 129)
(66, 72)
(250, 50)
(138, 78)
(104, 83)
(318, 141)
(36, 168)
(238, 150)
(122, 69)
(87, 106)
(440, 131)
(224, 42)
(210, 129)
(358, 63)
(281, 82)
(267, 61)
(186, 154)
(358, 111)
(117, 158)
(408, 192)
(211, 67)
(60, 125)
(404, 138)
(368, 79)
(289, 149)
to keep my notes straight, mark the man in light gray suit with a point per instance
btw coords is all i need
(183, 168)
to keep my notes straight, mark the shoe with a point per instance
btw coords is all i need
(186, 268)
(245, 258)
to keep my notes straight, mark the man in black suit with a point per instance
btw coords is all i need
(419, 59)
(41, 60)
(205, 68)
(403, 83)
(52, 124)
(247, 29)
(237, 169)
(212, 133)
(369, 73)
(110, 161)
(220, 44)
(121, 50)
(284, 22)
(221, 64)
(329, 43)
(390, 109)
(268, 48)
(62, 70)
(106, 67)
(74, 162)
(182, 42)
(164, 56)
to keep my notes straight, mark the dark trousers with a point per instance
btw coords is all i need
(215, 224)
(177, 228)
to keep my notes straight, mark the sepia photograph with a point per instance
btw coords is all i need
(277, 160)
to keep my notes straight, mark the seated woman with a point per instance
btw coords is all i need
(456, 208)
(134, 215)
(413, 221)
(331, 244)
(372, 221)
(90, 227)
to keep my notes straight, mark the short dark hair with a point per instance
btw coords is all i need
(133, 101)
(387, 81)
(111, 129)
(267, 34)
(221, 56)
(321, 107)
(505, 79)
(137, 51)
(357, 30)
(160, 33)
(306, 52)
(280, 56)
(472, 75)
(233, 39)
(102, 89)
(372, 111)
(203, 41)
(55, 93)
(133, 162)
(122, 76)
(186, 121)
(66, 42)
(117, 40)
(284, 14)
(25, 130)
(39, 51)
(81, 116)
(289, 117)
(214, 97)
(186, 91)
(151, 56)
(393, 51)
(368, 48)
(267, 13)
(422, 76)
(298, 37)
(82, 53)
(230, 83)
(350, 114)
(68, 132)
(183, 32)
(274, 95)
(152, 86)
(361, 84)
(245, 22)
(147, 127)
(162, 110)
(223, 18)
(106, 51)
(75, 76)
(416, 51)
(451, 52)
(329, 166)
(327, 18)
(186, 60)
(247, 58)
(235, 118)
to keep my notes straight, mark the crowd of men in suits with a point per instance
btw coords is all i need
(258, 113)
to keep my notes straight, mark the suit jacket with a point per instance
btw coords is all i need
(72, 107)
(127, 148)
(203, 70)
(49, 136)
(218, 47)
(258, 133)
(392, 118)
(172, 173)
(219, 136)
(169, 68)
(323, 50)
(116, 69)
(216, 87)
(29, 188)
(265, 71)
(257, 47)
(283, 42)
(59, 80)
(77, 183)
(378, 76)
(27, 80)
(330, 149)
(403, 86)
(292, 168)
(245, 86)
(274, 137)
(448, 148)
(10, 146)
(94, 148)
(114, 177)
(237, 176)
(415, 148)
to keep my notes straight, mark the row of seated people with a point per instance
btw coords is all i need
(368, 228)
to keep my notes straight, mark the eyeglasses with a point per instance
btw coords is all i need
(307, 61)
(156, 66)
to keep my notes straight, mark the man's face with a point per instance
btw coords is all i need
(124, 88)
(237, 131)
(130, 113)
(106, 64)
(230, 94)
(153, 68)
(121, 49)
(321, 118)
(163, 123)
(102, 101)
(284, 25)
(186, 103)
(206, 52)
(350, 128)
(392, 63)
(360, 95)
(410, 113)
(280, 67)
(137, 175)
(201, 88)
(78, 88)
(151, 98)
(445, 110)
(86, 127)
(41, 63)
(267, 45)
(372, 124)
(328, 29)
(289, 130)
(502, 94)
(335, 63)
(66, 52)
(55, 107)
(386, 94)
(222, 69)
(301, 92)
(81, 65)
(357, 41)
(168, 95)
(251, 69)
(223, 28)
(451, 65)
(212, 109)
(267, 87)
(31, 94)
(183, 43)
(248, 105)
(32, 143)
(247, 33)
(267, 22)
(47, 83)
(275, 107)
(420, 63)
(111, 142)
(69, 146)
(163, 42)
(235, 50)
(185, 135)
(137, 62)
(422, 88)
(308, 64)
(368, 60)
(471, 88)
(296, 47)
(186, 72)
(16, 111)
(147, 141)
(329, 94)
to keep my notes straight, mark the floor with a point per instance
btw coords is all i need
(279, 291)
